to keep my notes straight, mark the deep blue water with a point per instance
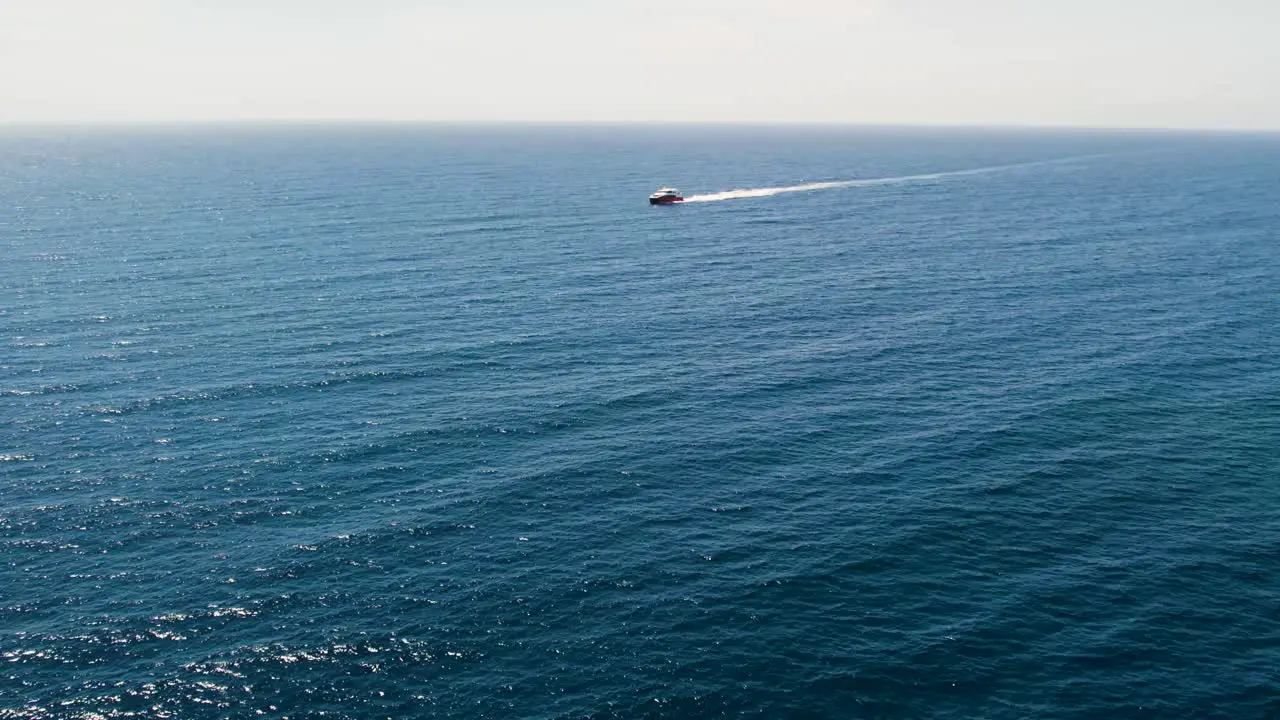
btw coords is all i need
(409, 421)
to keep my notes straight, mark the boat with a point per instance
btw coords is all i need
(665, 196)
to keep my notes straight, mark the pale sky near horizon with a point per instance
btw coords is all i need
(1101, 63)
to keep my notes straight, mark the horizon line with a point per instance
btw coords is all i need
(339, 121)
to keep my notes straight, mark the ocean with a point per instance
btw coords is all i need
(373, 421)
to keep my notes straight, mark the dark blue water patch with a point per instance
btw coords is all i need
(332, 422)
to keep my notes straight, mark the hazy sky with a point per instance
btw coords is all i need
(1163, 63)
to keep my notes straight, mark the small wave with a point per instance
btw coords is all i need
(42, 390)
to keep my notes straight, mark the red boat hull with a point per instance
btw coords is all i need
(665, 200)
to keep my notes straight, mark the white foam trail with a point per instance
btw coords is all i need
(768, 191)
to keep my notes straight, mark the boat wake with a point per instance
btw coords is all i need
(866, 182)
